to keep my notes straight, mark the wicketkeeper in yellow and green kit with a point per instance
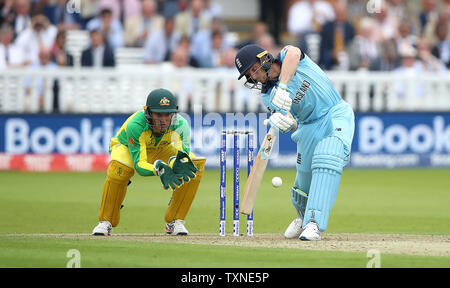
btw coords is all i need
(154, 141)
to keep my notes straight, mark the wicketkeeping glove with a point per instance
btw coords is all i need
(279, 99)
(283, 123)
(184, 166)
(168, 177)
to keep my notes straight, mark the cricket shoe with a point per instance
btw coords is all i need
(102, 229)
(311, 232)
(294, 229)
(176, 227)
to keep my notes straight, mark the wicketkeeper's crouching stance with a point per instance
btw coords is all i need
(152, 141)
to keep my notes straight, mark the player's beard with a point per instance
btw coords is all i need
(160, 127)
(258, 83)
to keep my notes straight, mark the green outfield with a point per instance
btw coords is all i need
(370, 202)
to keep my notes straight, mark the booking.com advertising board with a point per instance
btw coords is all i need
(386, 140)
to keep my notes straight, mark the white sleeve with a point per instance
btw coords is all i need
(299, 18)
(155, 48)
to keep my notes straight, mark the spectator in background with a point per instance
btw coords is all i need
(192, 20)
(259, 29)
(429, 30)
(410, 93)
(212, 8)
(59, 55)
(138, 30)
(122, 10)
(61, 17)
(185, 43)
(336, 36)
(214, 58)
(10, 55)
(442, 49)
(428, 15)
(389, 55)
(159, 45)
(168, 8)
(111, 29)
(271, 12)
(208, 45)
(40, 35)
(404, 36)
(179, 59)
(267, 42)
(6, 12)
(91, 8)
(397, 9)
(99, 53)
(388, 25)
(429, 61)
(183, 5)
(17, 14)
(307, 17)
(235, 89)
(228, 59)
(44, 63)
(364, 51)
(356, 11)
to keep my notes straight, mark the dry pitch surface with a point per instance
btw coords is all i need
(426, 245)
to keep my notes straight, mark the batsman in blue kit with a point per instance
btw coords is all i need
(302, 99)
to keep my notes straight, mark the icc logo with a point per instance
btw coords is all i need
(73, 6)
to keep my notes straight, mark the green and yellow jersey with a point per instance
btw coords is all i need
(136, 134)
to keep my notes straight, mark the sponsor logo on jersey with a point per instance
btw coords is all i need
(301, 92)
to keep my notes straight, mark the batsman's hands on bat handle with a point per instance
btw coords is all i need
(183, 165)
(168, 177)
(282, 123)
(279, 99)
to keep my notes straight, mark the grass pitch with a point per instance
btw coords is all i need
(369, 201)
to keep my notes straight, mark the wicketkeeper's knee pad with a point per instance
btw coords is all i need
(183, 196)
(114, 190)
(328, 162)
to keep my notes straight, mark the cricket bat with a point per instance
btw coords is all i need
(257, 172)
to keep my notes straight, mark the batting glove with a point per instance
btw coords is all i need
(282, 123)
(280, 99)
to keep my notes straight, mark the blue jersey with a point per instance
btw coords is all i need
(312, 92)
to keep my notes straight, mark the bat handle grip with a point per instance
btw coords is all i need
(272, 131)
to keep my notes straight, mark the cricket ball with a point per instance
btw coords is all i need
(276, 182)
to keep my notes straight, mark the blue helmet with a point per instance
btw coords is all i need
(248, 55)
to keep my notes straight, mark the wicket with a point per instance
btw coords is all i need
(236, 180)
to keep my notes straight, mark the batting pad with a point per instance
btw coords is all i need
(114, 190)
(299, 200)
(183, 196)
(327, 165)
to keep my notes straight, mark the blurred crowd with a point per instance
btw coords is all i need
(382, 35)
(375, 35)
